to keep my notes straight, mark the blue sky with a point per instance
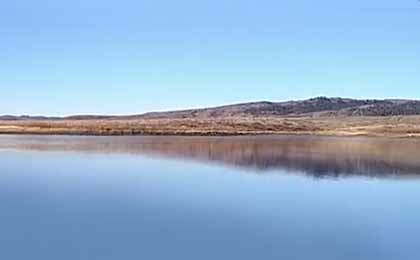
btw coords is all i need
(132, 56)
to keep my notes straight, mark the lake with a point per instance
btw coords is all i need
(290, 197)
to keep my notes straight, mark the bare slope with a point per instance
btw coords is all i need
(317, 116)
(315, 107)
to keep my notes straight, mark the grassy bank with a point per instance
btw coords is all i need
(402, 126)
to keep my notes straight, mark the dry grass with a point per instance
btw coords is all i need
(407, 126)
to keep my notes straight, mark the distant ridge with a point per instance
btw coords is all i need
(314, 107)
(319, 106)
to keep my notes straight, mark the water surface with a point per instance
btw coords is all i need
(209, 198)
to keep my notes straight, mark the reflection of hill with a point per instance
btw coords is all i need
(314, 156)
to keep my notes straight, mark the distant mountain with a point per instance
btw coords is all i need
(315, 107)
(13, 118)
(320, 106)
(78, 117)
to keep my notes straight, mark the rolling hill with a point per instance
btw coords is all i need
(320, 106)
(315, 107)
(316, 116)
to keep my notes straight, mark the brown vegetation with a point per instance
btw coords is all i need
(400, 126)
(320, 116)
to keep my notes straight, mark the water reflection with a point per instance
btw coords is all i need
(318, 157)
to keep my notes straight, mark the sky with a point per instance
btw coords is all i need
(133, 56)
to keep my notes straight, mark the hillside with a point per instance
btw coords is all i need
(315, 107)
(317, 116)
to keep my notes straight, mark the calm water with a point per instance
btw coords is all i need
(209, 198)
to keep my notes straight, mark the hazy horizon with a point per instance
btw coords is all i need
(66, 57)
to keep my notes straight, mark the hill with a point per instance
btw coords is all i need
(320, 106)
(315, 107)
(316, 116)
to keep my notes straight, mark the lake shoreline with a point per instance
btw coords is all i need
(285, 134)
(389, 127)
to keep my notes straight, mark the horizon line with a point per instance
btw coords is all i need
(202, 107)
